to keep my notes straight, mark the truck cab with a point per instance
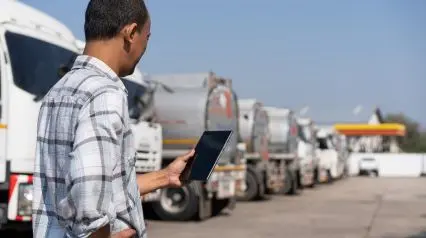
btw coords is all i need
(33, 49)
(331, 162)
(306, 151)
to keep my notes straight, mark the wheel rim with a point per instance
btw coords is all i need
(174, 200)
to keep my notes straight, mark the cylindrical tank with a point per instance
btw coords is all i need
(283, 130)
(254, 128)
(201, 102)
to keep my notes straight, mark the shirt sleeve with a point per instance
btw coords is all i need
(96, 152)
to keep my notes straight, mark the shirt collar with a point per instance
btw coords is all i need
(90, 62)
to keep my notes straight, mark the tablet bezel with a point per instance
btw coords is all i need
(230, 132)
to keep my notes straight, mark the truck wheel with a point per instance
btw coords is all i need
(329, 177)
(219, 205)
(290, 183)
(252, 187)
(177, 204)
(373, 173)
(314, 179)
(299, 179)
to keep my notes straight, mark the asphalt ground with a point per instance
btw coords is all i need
(350, 208)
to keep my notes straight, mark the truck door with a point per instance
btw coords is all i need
(3, 124)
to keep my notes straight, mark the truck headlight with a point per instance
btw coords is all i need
(25, 199)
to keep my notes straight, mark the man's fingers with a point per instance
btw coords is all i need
(128, 233)
(187, 156)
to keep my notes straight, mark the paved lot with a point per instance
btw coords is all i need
(355, 207)
(352, 208)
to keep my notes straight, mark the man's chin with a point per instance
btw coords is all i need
(128, 73)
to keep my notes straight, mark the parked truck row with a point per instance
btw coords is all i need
(272, 150)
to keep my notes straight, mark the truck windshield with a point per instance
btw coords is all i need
(35, 63)
(305, 133)
(134, 94)
(301, 133)
(322, 143)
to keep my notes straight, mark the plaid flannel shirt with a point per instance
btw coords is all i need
(84, 174)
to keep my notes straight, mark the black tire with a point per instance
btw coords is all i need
(219, 205)
(252, 190)
(299, 179)
(330, 179)
(373, 173)
(314, 181)
(183, 209)
(290, 183)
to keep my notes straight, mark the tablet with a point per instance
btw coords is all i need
(207, 153)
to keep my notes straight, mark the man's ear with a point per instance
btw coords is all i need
(129, 32)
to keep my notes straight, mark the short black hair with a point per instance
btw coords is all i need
(104, 19)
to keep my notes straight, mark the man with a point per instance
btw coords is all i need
(85, 183)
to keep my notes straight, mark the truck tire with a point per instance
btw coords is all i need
(177, 204)
(330, 179)
(252, 187)
(290, 183)
(219, 205)
(314, 179)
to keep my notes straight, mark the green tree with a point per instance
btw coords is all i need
(415, 138)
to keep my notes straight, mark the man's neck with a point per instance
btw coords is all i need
(104, 51)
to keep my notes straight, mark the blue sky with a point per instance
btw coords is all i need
(328, 55)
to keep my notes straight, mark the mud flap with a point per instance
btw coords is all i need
(204, 203)
(260, 172)
(232, 203)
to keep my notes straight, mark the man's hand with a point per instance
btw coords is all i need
(167, 177)
(175, 169)
(128, 233)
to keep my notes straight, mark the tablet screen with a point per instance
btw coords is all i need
(207, 153)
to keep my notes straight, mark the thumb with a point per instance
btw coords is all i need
(188, 155)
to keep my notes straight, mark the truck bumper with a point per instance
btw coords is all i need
(16, 207)
(226, 181)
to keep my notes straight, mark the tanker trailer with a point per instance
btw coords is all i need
(282, 149)
(254, 132)
(199, 102)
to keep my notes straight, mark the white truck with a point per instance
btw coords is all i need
(265, 173)
(147, 133)
(33, 47)
(282, 152)
(332, 161)
(198, 102)
(306, 151)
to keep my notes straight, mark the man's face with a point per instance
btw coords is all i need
(138, 46)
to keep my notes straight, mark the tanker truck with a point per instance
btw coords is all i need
(263, 174)
(199, 102)
(307, 152)
(330, 159)
(341, 144)
(146, 132)
(33, 48)
(284, 168)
